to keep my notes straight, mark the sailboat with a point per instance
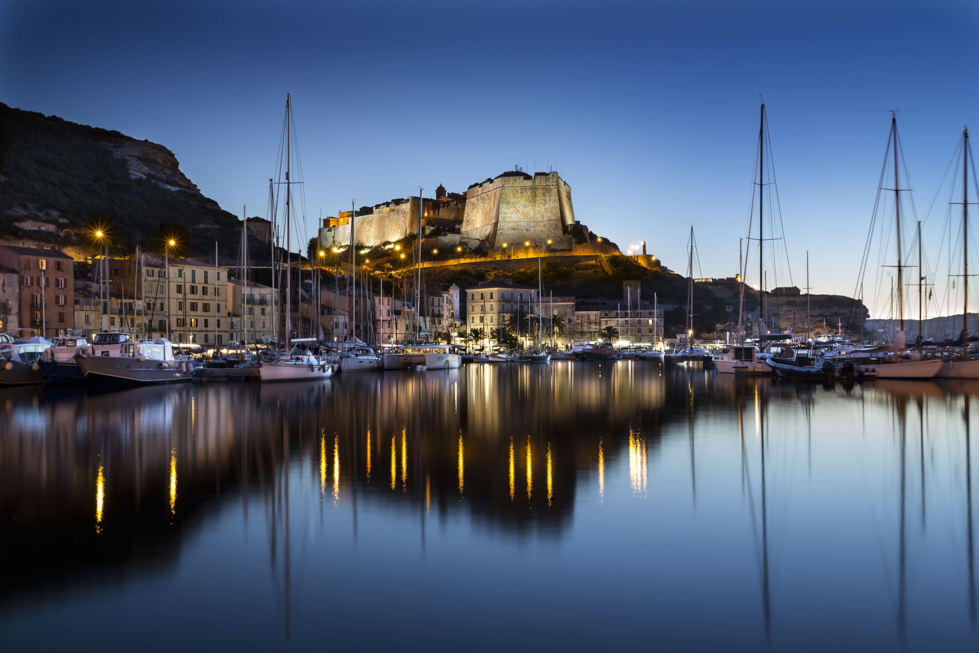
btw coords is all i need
(964, 367)
(292, 364)
(690, 354)
(892, 362)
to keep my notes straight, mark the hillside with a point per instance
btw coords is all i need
(58, 179)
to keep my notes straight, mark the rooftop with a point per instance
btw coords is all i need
(506, 284)
(34, 251)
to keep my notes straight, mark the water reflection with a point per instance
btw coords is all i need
(830, 476)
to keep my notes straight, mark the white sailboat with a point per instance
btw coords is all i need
(295, 364)
(896, 363)
(964, 367)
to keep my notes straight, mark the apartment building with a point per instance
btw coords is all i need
(491, 303)
(189, 306)
(9, 298)
(46, 288)
(252, 312)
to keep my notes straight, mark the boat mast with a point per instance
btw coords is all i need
(690, 294)
(808, 309)
(921, 278)
(761, 216)
(288, 231)
(965, 242)
(418, 266)
(244, 273)
(897, 218)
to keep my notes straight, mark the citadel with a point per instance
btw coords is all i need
(510, 208)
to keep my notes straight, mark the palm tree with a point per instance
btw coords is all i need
(517, 323)
(478, 335)
(499, 335)
(610, 334)
(557, 324)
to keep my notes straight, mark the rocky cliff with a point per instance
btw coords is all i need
(59, 179)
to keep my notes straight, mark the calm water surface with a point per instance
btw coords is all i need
(587, 506)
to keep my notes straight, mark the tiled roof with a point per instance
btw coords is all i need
(34, 251)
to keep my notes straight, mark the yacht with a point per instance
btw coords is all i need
(116, 357)
(397, 359)
(433, 357)
(360, 359)
(297, 366)
(740, 360)
(18, 360)
(534, 355)
(58, 362)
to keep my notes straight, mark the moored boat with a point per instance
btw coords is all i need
(116, 358)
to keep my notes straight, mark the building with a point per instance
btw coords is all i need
(86, 312)
(46, 288)
(490, 304)
(252, 311)
(513, 207)
(9, 298)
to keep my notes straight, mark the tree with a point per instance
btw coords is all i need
(498, 335)
(478, 335)
(610, 334)
(557, 324)
(517, 322)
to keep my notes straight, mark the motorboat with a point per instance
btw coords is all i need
(652, 355)
(116, 357)
(19, 360)
(433, 356)
(598, 353)
(740, 360)
(692, 355)
(58, 362)
(800, 364)
(397, 359)
(297, 366)
(534, 355)
(360, 359)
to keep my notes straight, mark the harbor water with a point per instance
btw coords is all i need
(612, 505)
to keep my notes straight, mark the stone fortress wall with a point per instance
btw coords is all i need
(512, 208)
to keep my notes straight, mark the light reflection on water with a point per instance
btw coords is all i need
(786, 516)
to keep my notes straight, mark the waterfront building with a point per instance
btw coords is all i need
(260, 305)
(491, 303)
(46, 288)
(9, 298)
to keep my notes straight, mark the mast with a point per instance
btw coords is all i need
(288, 230)
(540, 307)
(244, 271)
(897, 219)
(808, 311)
(690, 295)
(965, 243)
(352, 318)
(761, 215)
(921, 278)
(418, 266)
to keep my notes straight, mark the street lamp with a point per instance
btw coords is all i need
(435, 251)
(166, 313)
(99, 235)
(459, 248)
(526, 243)
(549, 241)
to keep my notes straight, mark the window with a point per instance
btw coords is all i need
(161, 324)
(205, 323)
(203, 290)
(251, 310)
(193, 322)
(61, 282)
(180, 306)
(220, 339)
(149, 272)
(27, 264)
(217, 276)
(161, 306)
(473, 296)
(219, 324)
(61, 318)
(205, 337)
(112, 321)
(180, 288)
(180, 273)
(217, 292)
(37, 316)
(206, 307)
(193, 276)
(10, 281)
(59, 266)
(87, 320)
(263, 311)
(491, 295)
(251, 324)
(42, 264)
(217, 308)
(27, 282)
(193, 306)
(482, 296)
(60, 300)
(205, 276)
(193, 290)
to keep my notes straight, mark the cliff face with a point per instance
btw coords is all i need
(59, 179)
(146, 160)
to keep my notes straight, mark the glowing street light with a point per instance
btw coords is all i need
(435, 251)
(402, 256)
(549, 241)
(459, 248)
(322, 253)
(526, 243)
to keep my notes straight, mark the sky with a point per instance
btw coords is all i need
(649, 110)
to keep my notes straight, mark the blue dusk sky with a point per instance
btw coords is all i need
(649, 110)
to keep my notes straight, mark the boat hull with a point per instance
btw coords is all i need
(442, 361)
(288, 371)
(959, 369)
(927, 369)
(398, 361)
(353, 364)
(19, 374)
(122, 369)
(750, 368)
(61, 373)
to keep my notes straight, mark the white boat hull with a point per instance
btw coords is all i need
(353, 364)
(754, 368)
(131, 370)
(398, 361)
(927, 369)
(958, 369)
(290, 371)
(442, 361)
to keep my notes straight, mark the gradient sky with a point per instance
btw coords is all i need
(649, 110)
